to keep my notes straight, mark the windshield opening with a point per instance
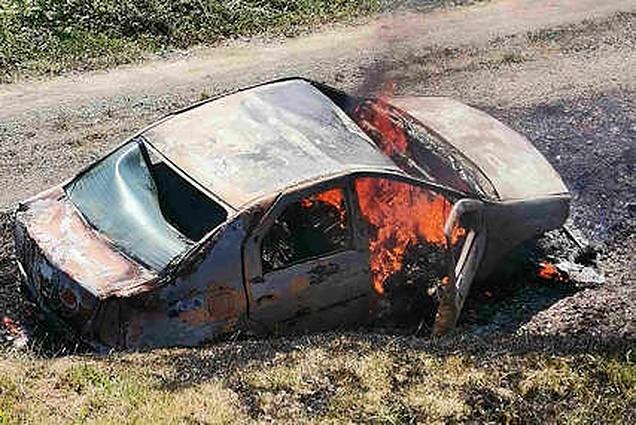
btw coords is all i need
(413, 147)
(417, 150)
(143, 206)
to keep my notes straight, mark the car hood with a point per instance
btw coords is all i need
(61, 242)
(516, 169)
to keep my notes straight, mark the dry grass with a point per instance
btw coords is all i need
(330, 378)
(104, 391)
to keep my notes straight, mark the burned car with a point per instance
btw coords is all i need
(285, 206)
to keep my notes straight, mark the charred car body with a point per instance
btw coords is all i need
(289, 205)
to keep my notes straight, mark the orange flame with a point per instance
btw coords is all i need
(548, 271)
(333, 197)
(373, 118)
(402, 215)
(11, 326)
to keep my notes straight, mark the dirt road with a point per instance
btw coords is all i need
(319, 54)
(561, 72)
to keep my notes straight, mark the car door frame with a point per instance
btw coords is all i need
(252, 252)
(464, 269)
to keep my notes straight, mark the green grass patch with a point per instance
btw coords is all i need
(52, 36)
(106, 391)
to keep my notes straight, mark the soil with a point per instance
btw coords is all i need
(560, 73)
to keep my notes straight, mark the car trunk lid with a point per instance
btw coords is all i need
(513, 165)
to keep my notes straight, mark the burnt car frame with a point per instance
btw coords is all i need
(284, 206)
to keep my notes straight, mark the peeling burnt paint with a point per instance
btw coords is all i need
(83, 254)
(300, 283)
(209, 300)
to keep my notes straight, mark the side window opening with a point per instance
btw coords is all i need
(312, 227)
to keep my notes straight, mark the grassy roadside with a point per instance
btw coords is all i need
(335, 378)
(51, 36)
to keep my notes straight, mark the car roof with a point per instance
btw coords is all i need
(263, 140)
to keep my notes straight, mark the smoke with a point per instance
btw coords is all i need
(390, 32)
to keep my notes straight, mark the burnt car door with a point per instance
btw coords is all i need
(303, 267)
(425, 243)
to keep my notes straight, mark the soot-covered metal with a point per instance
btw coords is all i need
(286, 206)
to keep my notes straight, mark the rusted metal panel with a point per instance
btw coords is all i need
(264, 140)
(68, 244)
(202, 301)
(299, 292)
(68, 268)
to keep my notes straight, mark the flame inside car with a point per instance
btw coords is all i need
(403, 215)
(333, 198)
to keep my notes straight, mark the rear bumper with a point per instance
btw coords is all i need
(50, 318)
(53, 320)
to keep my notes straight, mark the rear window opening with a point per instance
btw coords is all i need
(185, 207)
(143, 206)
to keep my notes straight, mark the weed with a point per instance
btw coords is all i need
(352, 378)
(512, 57)
(204, 95)
(9, 396)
